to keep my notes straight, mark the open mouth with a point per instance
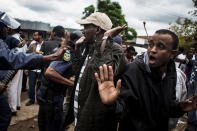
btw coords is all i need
(152, 58)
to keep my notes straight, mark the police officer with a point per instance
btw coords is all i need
(10, 60)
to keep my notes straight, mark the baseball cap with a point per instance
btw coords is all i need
(9, 21)
(98, 19)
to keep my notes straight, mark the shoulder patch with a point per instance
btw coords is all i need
(67, 56)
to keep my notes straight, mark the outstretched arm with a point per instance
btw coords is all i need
(111, 33)
(10, 60)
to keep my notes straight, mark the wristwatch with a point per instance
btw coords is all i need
(105, 37)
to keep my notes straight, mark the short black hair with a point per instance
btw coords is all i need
(172, 34)
(40, 33)
(130, 48)
(22, 36)
(59, 31)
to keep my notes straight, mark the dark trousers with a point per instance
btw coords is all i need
(33, 76)
(24, 82)
(5, 113)
(191, 128)
(50, 115)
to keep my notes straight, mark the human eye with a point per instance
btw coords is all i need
(161, 46)
(150, 43)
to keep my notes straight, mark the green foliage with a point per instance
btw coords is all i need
(88, 10)
(185, 29)
(195, 2)
(194, 12)
(114, 11)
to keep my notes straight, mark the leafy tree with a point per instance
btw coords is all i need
(194, 12)
(114, 11)
(185, 28)
(88, 10)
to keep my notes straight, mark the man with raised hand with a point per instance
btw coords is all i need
(145, 98)
(92, 51)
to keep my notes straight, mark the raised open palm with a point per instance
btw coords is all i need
(108, 92)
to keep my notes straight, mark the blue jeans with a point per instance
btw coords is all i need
(33, 76)
(5, 113)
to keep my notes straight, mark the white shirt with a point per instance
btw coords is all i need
(38, 46)
(180, 65)
(37, 50)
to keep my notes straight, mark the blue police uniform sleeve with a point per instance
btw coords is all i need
(10, 60)
(60, 66)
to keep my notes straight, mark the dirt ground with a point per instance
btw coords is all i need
(26, 125)
(26, 119)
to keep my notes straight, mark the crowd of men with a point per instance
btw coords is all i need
(108, 87)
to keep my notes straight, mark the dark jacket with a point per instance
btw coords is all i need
(48, 47)
(92, 114)
(146, 101)
(192, 90)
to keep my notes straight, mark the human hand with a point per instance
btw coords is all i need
(60, 52)
(79, 42)
(58, 55)
(26, 72)
(189, 104)
(2, 87)
(67, 35)
(108, 92)
(72, 79)
(115, 31)
(39, 52)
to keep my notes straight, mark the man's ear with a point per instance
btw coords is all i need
(173, 54)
